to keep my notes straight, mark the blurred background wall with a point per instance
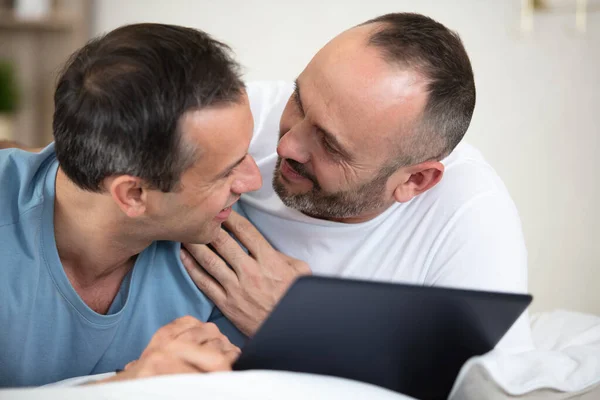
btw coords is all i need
(537, 114)
(36, 37)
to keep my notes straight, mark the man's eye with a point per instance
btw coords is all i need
(328, 147)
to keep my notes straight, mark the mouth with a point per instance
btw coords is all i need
(289, 174)
(224, 213)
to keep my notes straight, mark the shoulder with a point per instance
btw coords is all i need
(468, 180)
(22, 176)
(478, 239)
(469, 208)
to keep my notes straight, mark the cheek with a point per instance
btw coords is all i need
(335, 177)
(327, 174)
(204, 199)
(218, 198)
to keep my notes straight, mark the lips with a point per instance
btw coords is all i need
(289, 173)
(224, 213)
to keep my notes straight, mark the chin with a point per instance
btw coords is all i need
(280, 186)
(206, 236)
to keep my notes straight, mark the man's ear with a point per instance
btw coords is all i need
(418, 178)
(128, 193)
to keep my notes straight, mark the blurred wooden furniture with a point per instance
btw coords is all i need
(38, 48)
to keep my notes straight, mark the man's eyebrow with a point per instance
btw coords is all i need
(297, 98)
(329, 137)
(231, 167)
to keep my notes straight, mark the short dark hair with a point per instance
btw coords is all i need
(120, 98)
(418, 42)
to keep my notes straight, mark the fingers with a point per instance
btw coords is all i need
(205, 282)
(129, 365)
(209, 335)
(246, 233)
(205, 258)
(209, 340)
(202, 334)
(172, 330)
(301, 267)
(228, 352)
(230, 250)
(204, 358)
(186, 345)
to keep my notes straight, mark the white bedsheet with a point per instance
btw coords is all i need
(566, 358)
(248, 385)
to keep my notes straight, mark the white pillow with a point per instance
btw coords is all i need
(248, 385)
(565, 363)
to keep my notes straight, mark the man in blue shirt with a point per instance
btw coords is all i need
(152, 127)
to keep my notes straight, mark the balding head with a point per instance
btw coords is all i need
(420, 44)
(368, 104)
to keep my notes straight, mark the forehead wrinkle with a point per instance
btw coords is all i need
(363, 97)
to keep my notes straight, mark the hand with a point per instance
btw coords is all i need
(247, 292)
(186, 345)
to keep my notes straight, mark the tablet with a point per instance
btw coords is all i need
(407, 338)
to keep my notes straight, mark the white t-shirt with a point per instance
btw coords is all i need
(464, 233)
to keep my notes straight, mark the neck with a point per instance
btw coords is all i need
(91, 234)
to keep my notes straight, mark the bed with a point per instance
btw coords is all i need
(565, 364)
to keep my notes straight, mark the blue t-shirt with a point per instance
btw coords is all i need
(47, 333)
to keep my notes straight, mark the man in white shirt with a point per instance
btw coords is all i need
(356, 152)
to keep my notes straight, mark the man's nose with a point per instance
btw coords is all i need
(248, 179)
(293, 145)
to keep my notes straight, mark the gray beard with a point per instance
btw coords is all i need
(344, 204)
